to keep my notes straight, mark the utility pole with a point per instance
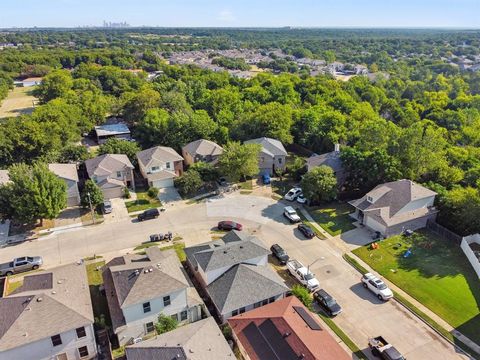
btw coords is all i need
(91, 208)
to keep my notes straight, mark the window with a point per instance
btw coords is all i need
(242, 310)
(166, 300)
(81, 332)
(155, 168)
(257, 305)
(167, 165)
(272, 299)
(119, 174)
(149, 327)
(265, 302)
(183, 315)
(146, 307)
(56, 340)
(83, 351)
(369, 199)
(174, 317)
(279, 160)
(234, 312)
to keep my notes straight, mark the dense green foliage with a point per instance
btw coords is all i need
(303, 295)
(165, 324)
(91, 195)
(189, 182)
(120, 146)
(238, 161)
(319, 185)
(231, 63)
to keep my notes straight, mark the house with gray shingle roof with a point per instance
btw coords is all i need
(201, 150)
(331, 159)
(49, 315)
(112, 173)
(272, 157)
(140, 287)
(235, 274)
(396, 206)
(68, 173)
(160, 165)
(187, 342)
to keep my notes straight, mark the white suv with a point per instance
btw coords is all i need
(290, 213)
(293, 194)
(377, 286)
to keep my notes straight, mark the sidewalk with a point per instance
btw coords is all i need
(338, 243)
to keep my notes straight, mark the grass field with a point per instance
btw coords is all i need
(333, 218)
(437, 274)
(19, 101)
(143, 202)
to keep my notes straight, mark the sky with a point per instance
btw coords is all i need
(242, 13)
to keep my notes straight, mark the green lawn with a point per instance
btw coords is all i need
(437, 274)
(333, 218)
(143, 202)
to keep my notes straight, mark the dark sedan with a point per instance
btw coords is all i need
(327, 302)
(229, 225)
(306, 230)
(279, 253)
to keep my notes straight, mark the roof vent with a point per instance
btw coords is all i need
(287, 334)
(53, 292)
(225, 251)
(59, 281)
(25, 335)
(39, 299)
(28, 309)
(241, 247)
(136, 272)
(191, 351)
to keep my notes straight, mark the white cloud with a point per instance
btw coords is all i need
(226, 16)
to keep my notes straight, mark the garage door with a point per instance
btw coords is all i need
(73, 201)
(112, 192)
(159, 184)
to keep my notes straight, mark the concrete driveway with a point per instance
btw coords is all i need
(119, 211)
(169, 195)
(69, 216)
(356, 238)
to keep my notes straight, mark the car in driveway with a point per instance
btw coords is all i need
(266, 179)
(229, 225)
(21, 264)
(107, 207)
(292, 194)
(290, 213)
(279, 253)
(376, 286)
(301, 199)
(327, 302)
(306, 231)
(148, 214)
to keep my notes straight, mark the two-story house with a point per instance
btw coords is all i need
(396, 206)
(201, 150)
(68, 173)
(160, 165)
(112, 173)
(48, 317)
(140, 287)
(235, 274)
(273, 156)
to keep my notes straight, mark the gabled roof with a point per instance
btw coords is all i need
(390, 198)
(58, 300)
(281, 331)
(244, 285)
(234, 248)
(201, 340)
(331, 159)
(157, 154)
(203, 147)
(65, 171)
(271, 147)
(4, 177)
(107, 164)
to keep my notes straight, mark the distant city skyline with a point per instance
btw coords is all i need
(247, 13)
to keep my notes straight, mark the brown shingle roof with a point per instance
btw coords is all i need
(160, 154)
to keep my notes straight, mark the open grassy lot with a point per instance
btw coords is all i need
(19, 101)
(437, 274)
(143, 202)
(333, 217)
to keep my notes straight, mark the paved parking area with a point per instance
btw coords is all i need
(168, 195)
(356, 238)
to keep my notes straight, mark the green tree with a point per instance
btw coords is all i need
(138, 105)
(165, 324)
(54, 85)
(96, 194)
(119, 146)
(303, 295)
(207, 171)
(239, 161)
(320, 184)
(189, 183)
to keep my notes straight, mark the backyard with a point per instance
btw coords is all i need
(99, 302)
(333, 218)
(143, 202)
(436, 273)
(18, 102)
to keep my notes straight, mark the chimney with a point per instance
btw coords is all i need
(337, 147)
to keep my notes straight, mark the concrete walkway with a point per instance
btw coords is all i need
(344, 247)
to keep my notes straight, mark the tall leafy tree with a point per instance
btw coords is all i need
(319, 184)
(239, 161)
(54, 85)
(91, 194)
(119, 146)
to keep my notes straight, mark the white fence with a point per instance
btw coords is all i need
(472, 257)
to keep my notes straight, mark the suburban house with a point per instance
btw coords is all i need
(272, 157)
(235, 274)
(331, 159)
(285, 329)
(201, 150)
(48, 317)
(112, 173)
(4, 177)
(31, 81)
(140, 287)
(160, 165)
(118, 130)
(68, 173)
(393, 207)
(201, 340)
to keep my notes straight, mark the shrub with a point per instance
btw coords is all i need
(152, 192)
(126, 193)
(303, 295)
(165, 324)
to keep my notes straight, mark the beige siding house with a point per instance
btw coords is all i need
(160, 165)
(201, 150)
(272, 157)
(68, 173)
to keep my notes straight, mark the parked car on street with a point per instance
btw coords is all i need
(21, 264)
(279, 253)
(229, 225)
(327, 302)
(303, 274)
(292, 194)
(301, 199)
(377, 286)
(107, 207)
(148, 214)
(290, 213)
(266, 179)
(306, 230)
(381, 348)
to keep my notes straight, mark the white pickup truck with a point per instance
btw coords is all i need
(377, 286)
(303, 275)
